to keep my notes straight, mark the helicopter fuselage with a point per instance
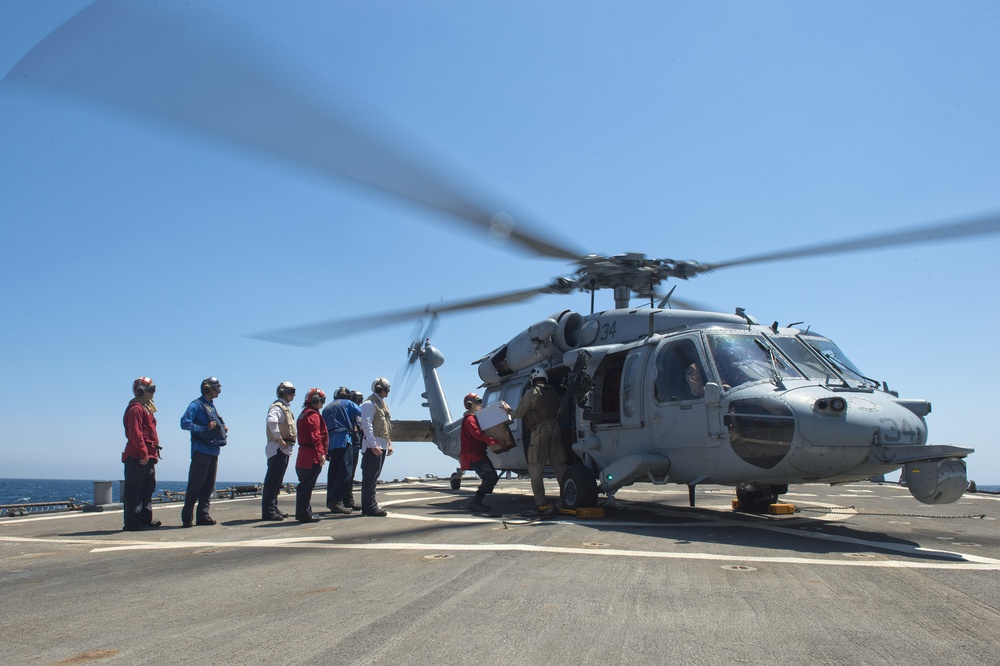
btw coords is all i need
(668, 396)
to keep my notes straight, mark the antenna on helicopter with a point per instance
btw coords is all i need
(666, 299)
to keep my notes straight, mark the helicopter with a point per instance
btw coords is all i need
(657, 394)
(664, 395)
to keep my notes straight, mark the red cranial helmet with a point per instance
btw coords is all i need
(142, 386)
(315, 396)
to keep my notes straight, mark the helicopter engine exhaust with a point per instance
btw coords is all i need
(936, 481)
(547, 339)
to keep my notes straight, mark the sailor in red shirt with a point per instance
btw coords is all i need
(142, 450)
(313, 441)
(473, 453)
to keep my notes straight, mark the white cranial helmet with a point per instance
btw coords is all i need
(538, 373)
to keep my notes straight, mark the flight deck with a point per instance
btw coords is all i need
(860, 573)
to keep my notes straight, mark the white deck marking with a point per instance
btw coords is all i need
(948, 559)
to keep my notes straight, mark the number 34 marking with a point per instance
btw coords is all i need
(892, 433)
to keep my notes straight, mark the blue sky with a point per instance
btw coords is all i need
(701, 130)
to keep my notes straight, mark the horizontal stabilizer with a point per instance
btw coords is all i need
(412, 431)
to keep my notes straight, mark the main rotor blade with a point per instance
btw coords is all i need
(312, 334)
(155, 62)
(979, 226)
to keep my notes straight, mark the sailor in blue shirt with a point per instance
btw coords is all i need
(208, 436)
(340, 416)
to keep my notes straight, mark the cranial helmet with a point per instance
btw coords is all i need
(538, 373)
(342, 393)
(315, 396)
(142, 386)
(470, 399)
(380, 384)
(210, 383)
(285, 389)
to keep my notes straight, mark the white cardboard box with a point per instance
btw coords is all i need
(491, 416)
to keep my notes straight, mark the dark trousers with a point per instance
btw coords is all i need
(371, 467)
(488, 473)
(303, 491)
(201, 485)
(336, 477)
(137, 493)
(276, 466)
(349, 490)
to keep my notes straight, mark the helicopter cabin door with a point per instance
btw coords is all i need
(681, 417)
(631, 395)
(618, 396)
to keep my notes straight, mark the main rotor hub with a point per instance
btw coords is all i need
(633, 272)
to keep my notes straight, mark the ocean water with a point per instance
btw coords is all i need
(16, 491)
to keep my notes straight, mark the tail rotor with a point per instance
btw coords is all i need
(406, 378)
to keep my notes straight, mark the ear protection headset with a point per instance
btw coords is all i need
(380, 384)
(210, 383)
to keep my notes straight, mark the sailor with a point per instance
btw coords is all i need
(473, 453)
(280, 442)
(376, 424)
(539, 408)
(208, 436)
(142, 450)
(313, 440)
(340, 417)
(356, 436)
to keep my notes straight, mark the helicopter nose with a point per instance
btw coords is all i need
(837, 432)
(866, 420)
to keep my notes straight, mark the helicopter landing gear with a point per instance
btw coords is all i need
(456, 480)
(757, 497)
(579, 487)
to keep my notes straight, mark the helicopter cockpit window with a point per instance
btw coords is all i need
(831, 352)
(742, 359)
(680, 374)
(805, 360)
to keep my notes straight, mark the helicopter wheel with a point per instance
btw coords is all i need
(756, 497)
(579, 487)
(456, 481)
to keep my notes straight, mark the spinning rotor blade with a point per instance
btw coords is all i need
(161, 64)
(311, 334)
(978, 226)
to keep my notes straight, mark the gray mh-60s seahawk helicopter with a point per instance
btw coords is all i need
(689, 396)
(649, 394)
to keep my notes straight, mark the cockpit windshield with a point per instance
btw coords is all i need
(741, 359)
(831, 352)
(805, 359)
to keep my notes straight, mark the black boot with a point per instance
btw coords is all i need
(477, 505)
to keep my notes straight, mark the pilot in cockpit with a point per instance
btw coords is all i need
(695, 381)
